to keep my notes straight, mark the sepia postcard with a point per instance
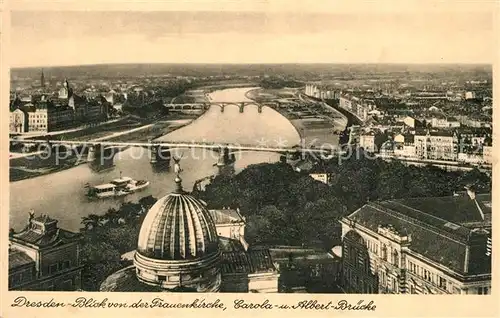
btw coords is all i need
(305, 158)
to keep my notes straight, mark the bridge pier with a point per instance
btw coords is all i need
(100, 157)
(92, 153)
(153, 154)
(159, 155)
(225, 158)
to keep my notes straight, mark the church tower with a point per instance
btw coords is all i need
(42, 80)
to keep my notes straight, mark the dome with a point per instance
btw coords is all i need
(178, 245)
(178, 226)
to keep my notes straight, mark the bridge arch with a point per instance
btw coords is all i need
(241, 105)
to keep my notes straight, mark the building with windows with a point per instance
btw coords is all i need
(419, 246)
(184, 247)
(51, 115)
(488, 154)
(18, 121)
(443, 122)
(355, 105)
(439, 145)
(367, 142)
(44, 257)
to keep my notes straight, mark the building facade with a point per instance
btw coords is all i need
(419, 246)
(18, 121)
(488, 154)
(367, 142)
(44, 257)
(355, 105)
(437, 145)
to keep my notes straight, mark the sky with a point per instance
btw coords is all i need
(434, 35)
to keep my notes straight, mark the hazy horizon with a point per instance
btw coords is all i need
(249, 64)
(77, 38)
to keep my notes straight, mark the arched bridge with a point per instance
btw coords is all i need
(222, 105)
(161, 151)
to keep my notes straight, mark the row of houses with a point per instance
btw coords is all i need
(45, 114)
(362, 108)
(316, 91)
(470, 148)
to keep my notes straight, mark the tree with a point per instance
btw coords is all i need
(286, 207)
(91, 221)
(105, 239)
(147, 202)
(101, 259)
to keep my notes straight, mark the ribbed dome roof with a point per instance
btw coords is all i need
(177, 227)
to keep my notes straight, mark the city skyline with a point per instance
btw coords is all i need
(250, 37)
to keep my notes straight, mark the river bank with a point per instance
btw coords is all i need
(315, 122)
(38, 163)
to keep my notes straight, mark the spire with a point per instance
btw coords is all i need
(42, 80)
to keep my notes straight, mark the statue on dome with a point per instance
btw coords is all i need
(177, 166)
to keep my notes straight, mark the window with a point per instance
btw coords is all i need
(162, 278)
(53, 268)
(395, 258)
(482, 291)
(427, 275)
(66, 264)
(384, 252)
(442, 283)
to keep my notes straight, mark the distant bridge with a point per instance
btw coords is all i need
(222, 105)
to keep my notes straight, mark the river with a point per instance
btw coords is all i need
(61, 195)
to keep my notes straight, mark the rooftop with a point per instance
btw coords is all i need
(42, 231)
(440, 228)
(18, 258)
(225, 216)
(251, 262)
(230, 245)
(457, 209)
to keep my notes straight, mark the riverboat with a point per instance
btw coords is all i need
(116, 188)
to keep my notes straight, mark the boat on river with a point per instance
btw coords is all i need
(116, 188)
